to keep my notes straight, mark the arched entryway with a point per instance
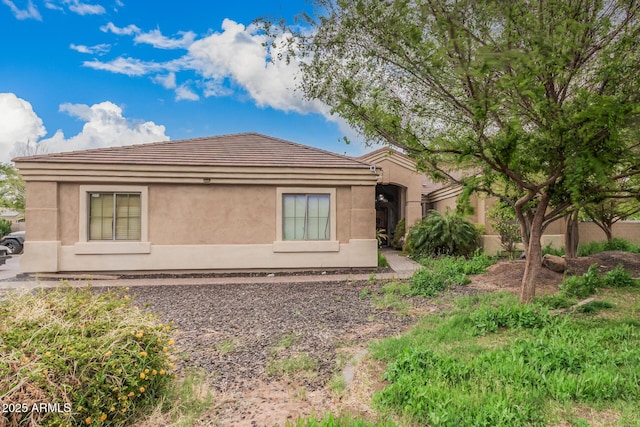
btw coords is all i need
(389, 209)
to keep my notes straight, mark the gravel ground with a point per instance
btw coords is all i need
(234, 331)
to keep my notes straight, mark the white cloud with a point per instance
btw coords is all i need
(168, 81)
(99, 49)
(120, 31)
(31, 12)
(127, 66)
(105, 126)
(238, 54)
(235, 57)
(183, 92)
(157, 40)
(18, 124)
(83, 8)
(52, 6)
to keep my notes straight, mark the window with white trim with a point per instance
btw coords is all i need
(114, 216)
(306, 217)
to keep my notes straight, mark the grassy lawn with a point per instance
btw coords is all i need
(489, 361)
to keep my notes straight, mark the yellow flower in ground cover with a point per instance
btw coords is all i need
(154, 372)
(113, 408)
(162, 371)
(143, 353)
(141, 389)
(88, 420)
(103, 417)
(142, 375)
(171, 342)
(107, 354)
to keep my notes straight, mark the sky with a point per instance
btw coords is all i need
(76, 75)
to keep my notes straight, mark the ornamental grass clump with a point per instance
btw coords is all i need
(70, 356)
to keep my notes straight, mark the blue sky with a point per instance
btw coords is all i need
(77, 75)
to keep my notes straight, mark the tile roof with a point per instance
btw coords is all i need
(245, 149)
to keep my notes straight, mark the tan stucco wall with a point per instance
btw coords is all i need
(443, 205)
(628, 230)
(211, 214)
(68, 210)
(42, 210)
(399, 170)
(195, 226)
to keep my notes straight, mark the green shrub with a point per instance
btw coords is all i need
(438, 235)
(618, 278)
(429, 283)
(551, 250)
(398, 234)
(590, 248)
(615, 244)
(439, 274)
(582, 286)
(585, 285)
(104, 359)
(503, 220)
(5, 227)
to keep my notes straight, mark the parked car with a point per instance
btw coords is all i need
(14, 242)
(4, 254)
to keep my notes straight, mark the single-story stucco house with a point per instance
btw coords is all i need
(244, 201)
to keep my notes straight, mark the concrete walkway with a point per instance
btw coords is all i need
(402, 268)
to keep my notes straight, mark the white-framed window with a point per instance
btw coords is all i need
(113, 219)
(306, 217)
(306, 220)
(115, 216)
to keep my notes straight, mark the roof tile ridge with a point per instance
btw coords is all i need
(310, 148)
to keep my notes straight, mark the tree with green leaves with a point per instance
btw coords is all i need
(503, 220)
(12, 188)
(610, 211)
(524, 100)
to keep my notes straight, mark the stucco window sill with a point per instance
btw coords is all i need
(306, 246)
(106, 248)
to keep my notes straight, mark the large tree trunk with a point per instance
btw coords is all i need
(533, 263)
(571, 236)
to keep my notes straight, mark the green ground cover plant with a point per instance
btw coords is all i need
(336, 421)
(616, 244)
(587, 284)
(102, 360)
(493, 361)
(439, 274)
(382, 261)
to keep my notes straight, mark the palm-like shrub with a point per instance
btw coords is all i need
(438, 235)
